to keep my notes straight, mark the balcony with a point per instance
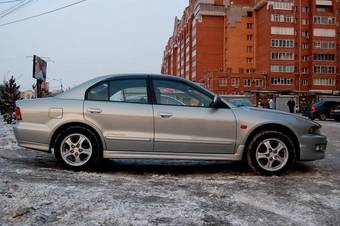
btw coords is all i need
(324, 3)
(209, 10)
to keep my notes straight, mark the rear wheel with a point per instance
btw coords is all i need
(323, 117)
(77, 148)
(271, 153)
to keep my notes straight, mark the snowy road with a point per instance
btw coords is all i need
(35, 190)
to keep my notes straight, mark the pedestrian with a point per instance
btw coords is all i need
(291, 105)
(271, 103)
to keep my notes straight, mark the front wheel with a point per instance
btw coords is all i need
(271, 153)
(77, 148)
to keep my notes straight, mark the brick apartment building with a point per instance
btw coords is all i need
(235, 47)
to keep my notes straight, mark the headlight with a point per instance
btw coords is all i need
(314, 130)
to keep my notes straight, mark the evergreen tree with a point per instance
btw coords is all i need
(10, 94)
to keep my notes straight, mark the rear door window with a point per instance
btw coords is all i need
(98, 92)
(128, 91)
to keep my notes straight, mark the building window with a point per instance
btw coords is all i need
(249, 49)
(286, 18)
(305, 58)
(282, 81)
(305, 46)
(305, 82)
(249, 60)
(321, 32)
(283, 43)
(281, 5)
(305, 34)
(320, 9)
(305, 22)
(247, 82)
(323, 69)
(282, 68)
(193, 53)
(282, 31)
(249, 26)
(249, 37)
(193, 75)
(324, 20)
(222, 82)
(258, 82)
(324, 82)
(249, 14)
(250, 70)
(304, 70)
(305, 9)
(282, 56)
(324, 44)
(235, 82)
(324, 57)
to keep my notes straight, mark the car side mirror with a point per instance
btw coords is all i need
(217, 102)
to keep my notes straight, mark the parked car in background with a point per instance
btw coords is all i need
(335, 113)
(320, 110)
(241, 102)
(162, 117)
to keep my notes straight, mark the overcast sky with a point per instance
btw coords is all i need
(96, 37)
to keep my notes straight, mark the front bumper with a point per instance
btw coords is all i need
(312, 147)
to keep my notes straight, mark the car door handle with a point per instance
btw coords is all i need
(94, 110)
(165, 115)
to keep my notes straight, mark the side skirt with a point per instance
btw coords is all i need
(175, 156)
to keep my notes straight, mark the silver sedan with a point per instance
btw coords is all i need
(130, 116)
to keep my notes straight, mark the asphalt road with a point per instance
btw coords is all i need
(35, 190)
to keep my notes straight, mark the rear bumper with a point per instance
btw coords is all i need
(32, 136)
(310, 114)
(313, 147)
(335, 114)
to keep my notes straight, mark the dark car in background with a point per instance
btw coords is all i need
(321, 110)
(335, 113)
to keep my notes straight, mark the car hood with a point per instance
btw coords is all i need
(282, 113)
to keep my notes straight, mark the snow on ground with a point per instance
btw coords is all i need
(35, 190)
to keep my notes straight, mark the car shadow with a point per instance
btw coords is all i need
(162, 167)
(184, 167)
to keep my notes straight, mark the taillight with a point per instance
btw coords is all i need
(313, 109)
(18, 113)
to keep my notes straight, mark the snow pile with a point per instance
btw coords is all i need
(7, 139)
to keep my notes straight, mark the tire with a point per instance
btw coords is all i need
(275, 161)
(322, 117)
(86, 151)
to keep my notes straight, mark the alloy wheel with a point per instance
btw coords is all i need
(76, 149)
(272, 154)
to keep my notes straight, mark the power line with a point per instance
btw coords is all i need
(14, 8)
(3, 2)
(6, 10)
(41, 14)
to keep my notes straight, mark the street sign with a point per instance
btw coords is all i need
(39, 68)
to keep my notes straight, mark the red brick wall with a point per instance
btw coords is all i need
(209, 45)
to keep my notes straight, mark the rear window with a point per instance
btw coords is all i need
(320, 103)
